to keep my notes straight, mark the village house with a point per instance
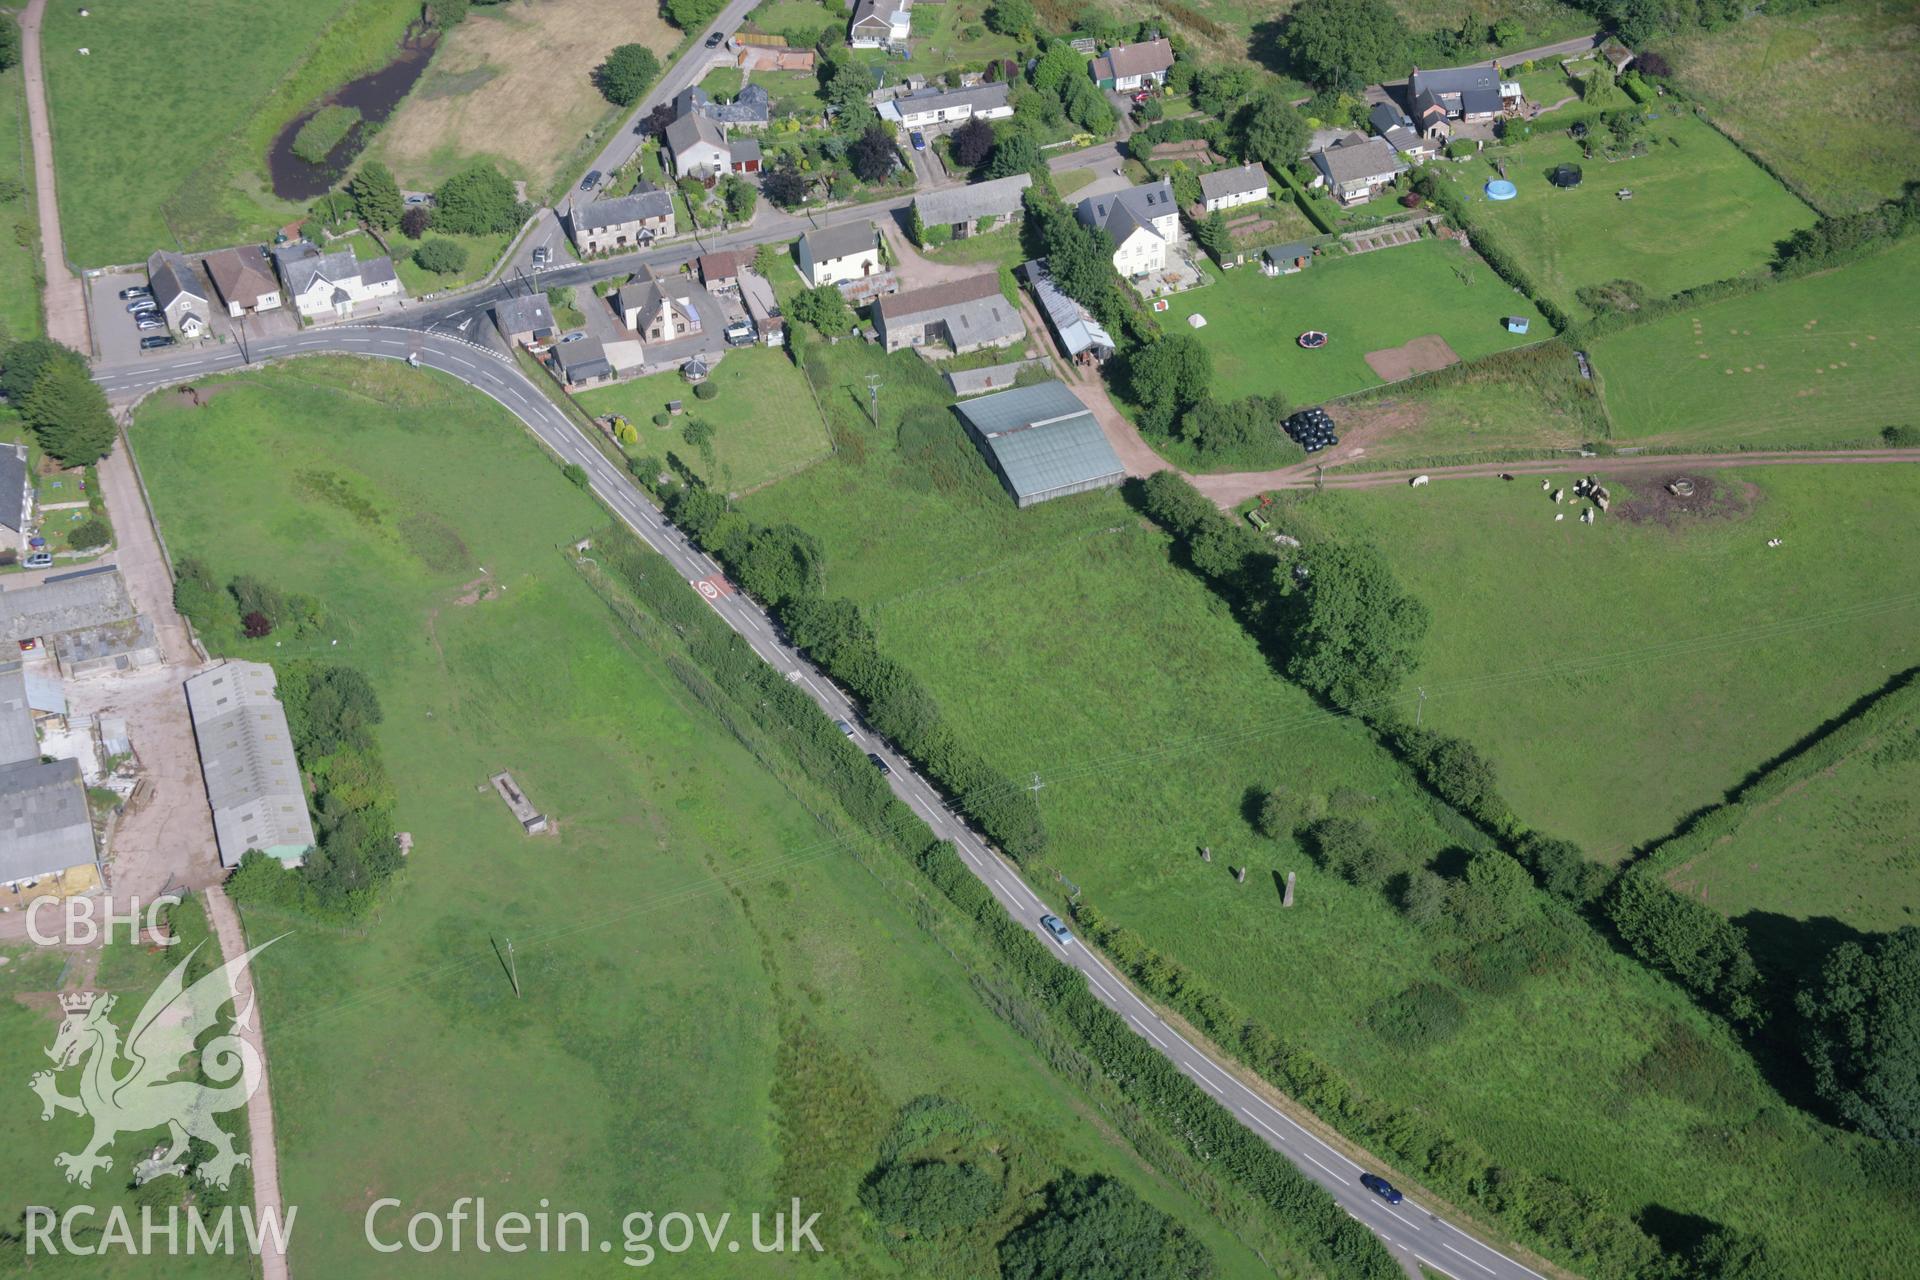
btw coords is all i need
(751, 108)
(1128, 68)
(244, 280)
(699, 148)
(1356, 168)
(621, 222)
(333, 284)
(964, 315)
(930, 107)
(1393, 124)
(1452, 93)
(879, 23)
(961, 209)
(178, 293)
(1144, 222)
(1230, 188)
(835, 255)
(658, 308)
(580, 363)
(720, 270)
(524, 320)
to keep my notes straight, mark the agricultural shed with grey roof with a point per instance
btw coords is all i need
(90, 598)
(1042, 442)
(246, 753)
(1081, 336)
(44, 824)
(999, 198)
(18, 741)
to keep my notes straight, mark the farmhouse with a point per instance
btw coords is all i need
(1452, 93)
(178, 293)
(834, 255)
(879, 23)
(323, 284)
(1081, 337)
(1042, 442)
(699, 148)
(524, 320)
(929, 107)
(966, 315)
(1125, 68)
(960, 209)
(246, 753)
(622, 221)
(1356, 168)
(244, 280)
(657, 308)
(1144, 222)
(1229, 188)
(16, 496)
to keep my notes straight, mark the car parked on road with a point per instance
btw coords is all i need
(591, 181)
(136, 291)
(39, 560)
(542, 255)
(713, 41)
(886, 770)
(154, 341)
(1055, 926)
(843, 727)
(1381, 1187)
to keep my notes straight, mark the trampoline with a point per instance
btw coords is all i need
(1500, 189)
(1312, 339)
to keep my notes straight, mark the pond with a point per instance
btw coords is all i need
(374, 96)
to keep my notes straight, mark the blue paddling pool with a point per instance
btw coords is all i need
(1501, 189)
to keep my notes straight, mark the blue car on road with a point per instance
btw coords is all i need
(1052, 924)
(1381, 1187)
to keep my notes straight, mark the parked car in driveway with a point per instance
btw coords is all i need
(136, 291)
(919, 140)
(1057, 928)
(1381, 1187)
(154, 341)
(149, 320)
(575, 336)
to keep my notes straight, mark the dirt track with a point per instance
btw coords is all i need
(66, 302)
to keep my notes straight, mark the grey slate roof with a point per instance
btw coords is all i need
(301, 264)
(1150, 57)
(44, 826)
(1123, 211)
(753, 105)
(13, 486)
(687, 130)
(246, 753)
(584, 359)
(842, 241)
(641, 206)
(1442, 81)
(172, 276)
(1386, 117)
(744, 149)
(999, 198)
(1233, 182)
(87, 599)
(973, 310)
(523, 315)
(1043, 441)
(980, 97)
(18, 741)
(1077, 329)
(1281, 254)
(1358, 158)
(377, 271)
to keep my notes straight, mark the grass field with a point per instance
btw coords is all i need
(19, 224)
(1064, 641)
(1846, 136)
(1838, 844)
(643, 1067)
(1364, 303)
(1825, 359)
(513, 83)
(29, 1020)
(1621, 676)
(1700, 211)
(192, 175)
(764, 420)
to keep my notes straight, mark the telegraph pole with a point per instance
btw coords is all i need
(513, 972)
(873, 396)
(1421, 707)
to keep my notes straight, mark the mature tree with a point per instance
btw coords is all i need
(1344, 44)
(1010, 17)
(1354, 851)
(925, 1198)
(970, 143)
(626, 73)
(691, 15)
(1094, 1228)
(1692, 941)
(1057, 66)
(1088, 107)
(1168, 376)
(442, 257)
(68, 414)
(1424, 897)
(873, 156)
(1015, 153)
(415, 221)
(1495, 896)
(1726, 1254)
(9, 42)
(823, 308)
(1355, 632)
(21, 363)
(784, 184)
(1218, 91)
(1562, 869)
(476, 202)
(1221, 426)
(1272, 131)
(780, 563)
(739, 196)
(1862, 1038)
(376, 196)
(1213, 235)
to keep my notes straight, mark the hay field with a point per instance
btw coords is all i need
(514, 83)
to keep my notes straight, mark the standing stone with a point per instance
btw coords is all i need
(1286, 899)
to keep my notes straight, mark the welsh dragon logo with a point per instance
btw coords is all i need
(133, 1087)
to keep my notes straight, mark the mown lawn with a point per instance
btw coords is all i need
(764, 420)
(1700, 211)
(662, 1009)
(189, 172)
(1846, 136)
(19, 224)
(1067, 643)
(1828, 359)
(1364, 302)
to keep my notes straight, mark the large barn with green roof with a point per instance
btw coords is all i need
(1042, 442)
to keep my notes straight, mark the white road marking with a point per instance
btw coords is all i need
(1330, 1173)
(1483, 1266)
(1425, 1262)
(1277, 1135)
(1146, 1031)
(1095, 982)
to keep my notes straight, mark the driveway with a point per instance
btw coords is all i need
(66, 303)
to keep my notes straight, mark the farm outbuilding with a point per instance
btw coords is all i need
(1042, 442)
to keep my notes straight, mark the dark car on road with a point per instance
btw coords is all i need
(591, 181)
(1381, 1187)
(714, 40)
(153, 341)
(885, 768)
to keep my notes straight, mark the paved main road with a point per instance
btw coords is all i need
(1412, 1231)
